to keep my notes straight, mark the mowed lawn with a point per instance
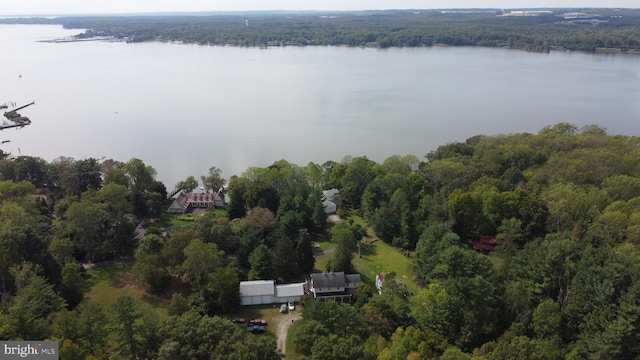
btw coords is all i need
(375, 258)
(381, 257)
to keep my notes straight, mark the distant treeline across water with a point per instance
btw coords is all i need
(538, 31)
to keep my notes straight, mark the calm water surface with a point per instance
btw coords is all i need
(185, 108)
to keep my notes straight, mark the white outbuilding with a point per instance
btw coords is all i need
(257, 292)
(289, 293)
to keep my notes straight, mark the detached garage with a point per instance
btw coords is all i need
(289, 293)
(257, 292)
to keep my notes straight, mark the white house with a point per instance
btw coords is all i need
(333, 286)
(380, 281)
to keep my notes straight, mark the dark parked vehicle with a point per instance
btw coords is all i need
(256, 329)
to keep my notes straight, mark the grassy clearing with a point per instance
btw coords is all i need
(357, 220)
(381, 257)
(174, 220)
(375, 258)
(321, 262)
(323, 243)
(108, 283)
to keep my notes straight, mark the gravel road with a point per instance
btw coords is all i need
(283, 326)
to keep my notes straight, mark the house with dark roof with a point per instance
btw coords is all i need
(186, 202)
(333, 286)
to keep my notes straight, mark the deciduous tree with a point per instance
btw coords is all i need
(188, 185)
(262, 264)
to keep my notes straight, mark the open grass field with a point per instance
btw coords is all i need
(110, 282)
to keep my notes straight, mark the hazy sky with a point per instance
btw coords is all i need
(25, 7)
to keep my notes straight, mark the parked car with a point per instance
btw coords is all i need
(284, 308)
(291, 306)
(256, 329)
(238, 321)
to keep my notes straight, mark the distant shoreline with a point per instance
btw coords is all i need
(540, 30)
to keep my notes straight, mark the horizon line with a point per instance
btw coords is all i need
(188, 12)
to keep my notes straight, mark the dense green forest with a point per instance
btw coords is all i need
(563, 283)
(594, 29)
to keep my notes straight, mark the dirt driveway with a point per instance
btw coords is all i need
(283, 327)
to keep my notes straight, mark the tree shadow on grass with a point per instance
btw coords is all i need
(116, 275)
(367, 250)
(163, 298)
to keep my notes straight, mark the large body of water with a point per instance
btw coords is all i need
(185, 108)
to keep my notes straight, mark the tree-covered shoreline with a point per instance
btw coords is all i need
(600, 29)
(562, 283)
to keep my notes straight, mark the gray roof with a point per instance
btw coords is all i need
(290, 290)
(327, 280)
(257, 287)
(353, 278)
(330, 194)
